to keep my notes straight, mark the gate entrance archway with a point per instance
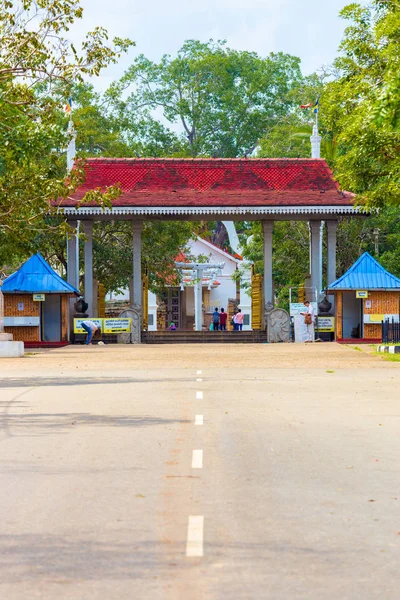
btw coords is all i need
(268, 190)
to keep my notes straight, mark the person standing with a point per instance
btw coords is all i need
(309, 318)
(222, 320)
(215, 319)
(239, 320)
(90, 327)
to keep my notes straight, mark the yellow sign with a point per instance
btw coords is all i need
(39, 297)
(376, 318)
(79, 329)
(326, 324)
(116, 325)
(361, 294)
(106, 325)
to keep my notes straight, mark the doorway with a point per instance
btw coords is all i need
(51, 318)
(353, 326)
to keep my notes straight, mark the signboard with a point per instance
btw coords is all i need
(361, 294)
(376, 318)
(39, 297)
(21, 306)
(368, 304)
(21, 321)
(326, 324)
(298, 307)
(106, 325)
(116, 325)
(79, 329)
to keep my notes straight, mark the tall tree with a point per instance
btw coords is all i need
(35, 52)
(222, 100)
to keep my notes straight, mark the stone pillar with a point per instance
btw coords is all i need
(136, 297)
(316, 269)
(88, 230)
(268, 282)
(331, 229)
(71, 257)
(198, 301)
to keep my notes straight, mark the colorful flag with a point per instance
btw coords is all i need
(311, 105)
(68, 107)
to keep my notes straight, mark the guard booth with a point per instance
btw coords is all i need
(36, 304)
(365, 296)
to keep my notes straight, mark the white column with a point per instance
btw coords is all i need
(71, 150)
(268, 283)
(331, 229)
(315, 140)
(88, 230)
(245, 292)
(198, 301)
(72, 277)
(137, 262)
(315, 228)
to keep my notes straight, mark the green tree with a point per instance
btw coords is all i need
(35, 53)
(222, 100)
(358, 107)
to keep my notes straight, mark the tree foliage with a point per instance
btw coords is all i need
(36, 53)
(220, 100)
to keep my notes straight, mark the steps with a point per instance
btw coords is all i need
(203, 337)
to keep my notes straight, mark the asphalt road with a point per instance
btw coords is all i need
(170, 473)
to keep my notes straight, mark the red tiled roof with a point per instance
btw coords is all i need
(214, 182)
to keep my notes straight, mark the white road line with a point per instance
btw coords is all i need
(194, 544)
(199, 379)
(199, 420)
(199, 372)
(197, 459)
(199, 395)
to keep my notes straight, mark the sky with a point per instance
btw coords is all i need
(310, 30)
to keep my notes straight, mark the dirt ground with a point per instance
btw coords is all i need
(119, 358)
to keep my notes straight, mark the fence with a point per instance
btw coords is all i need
(390, 331)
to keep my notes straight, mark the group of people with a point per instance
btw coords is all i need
(219, 320)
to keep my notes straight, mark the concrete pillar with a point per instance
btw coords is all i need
(245, 304)
(331, 230)
(88, 231)
(136, 286)
(268, 283)
(137, 263)
(316, 268)
(72, 245)
(315, 140)
(198, 301)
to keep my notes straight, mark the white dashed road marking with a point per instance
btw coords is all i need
(199, 420)
(197, 459)
(194, 545)
(199, 395)
(199, 379)
(199, 373)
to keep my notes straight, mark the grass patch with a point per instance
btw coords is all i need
(356, 348)
(330, 371)
(387, 356)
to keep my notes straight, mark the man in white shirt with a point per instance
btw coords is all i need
(309, 318)
(90, 327)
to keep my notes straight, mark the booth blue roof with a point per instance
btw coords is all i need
(366, 274)
(36, 277)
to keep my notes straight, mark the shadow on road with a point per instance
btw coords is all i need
(20, 382)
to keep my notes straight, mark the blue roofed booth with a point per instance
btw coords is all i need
(365, 295)
(36, 304)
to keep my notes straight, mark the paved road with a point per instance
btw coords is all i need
(235, 473)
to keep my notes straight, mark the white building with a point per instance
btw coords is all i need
(177, 304)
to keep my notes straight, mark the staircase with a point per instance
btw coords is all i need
(204, 337)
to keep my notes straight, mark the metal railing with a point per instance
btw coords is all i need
(390, 331)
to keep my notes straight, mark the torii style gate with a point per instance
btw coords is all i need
(211, 189)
